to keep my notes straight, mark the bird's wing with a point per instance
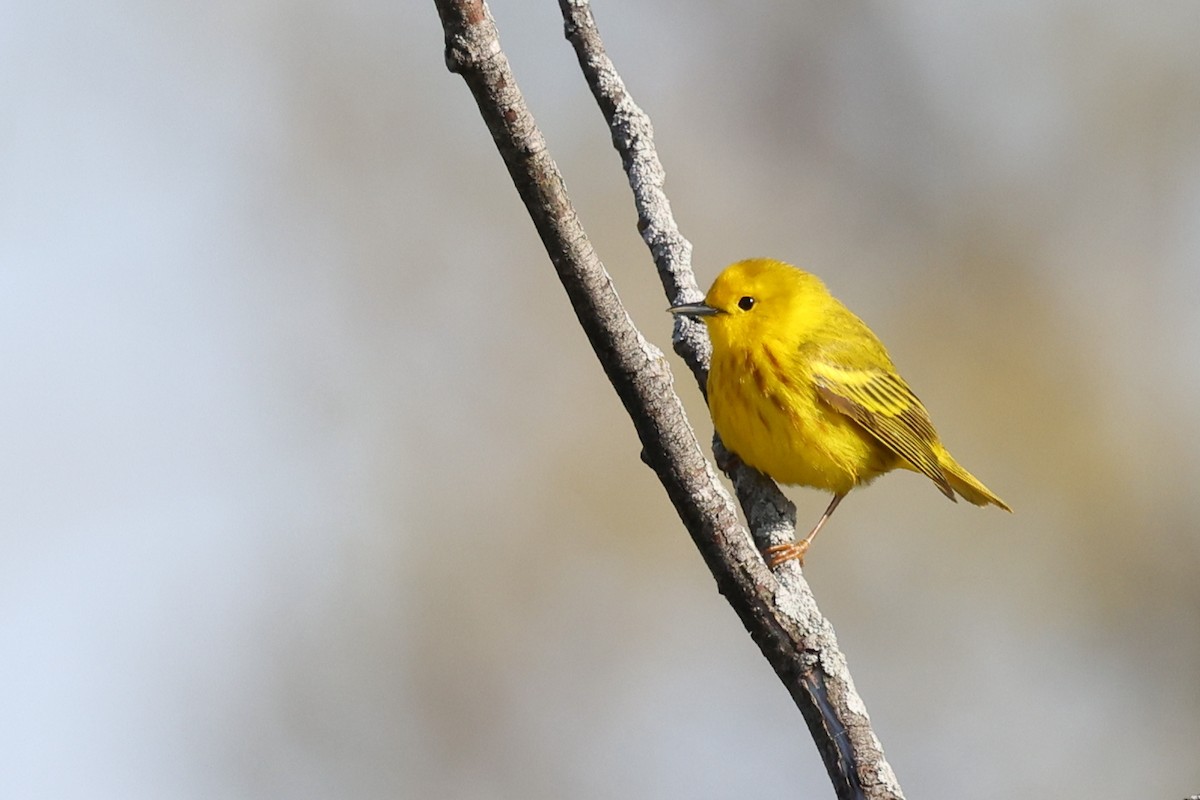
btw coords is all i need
(881, 402)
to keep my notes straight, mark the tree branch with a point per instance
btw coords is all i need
(780, 615)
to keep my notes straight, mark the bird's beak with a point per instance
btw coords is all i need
(694, 310)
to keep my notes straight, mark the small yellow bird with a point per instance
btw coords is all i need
(802, 390)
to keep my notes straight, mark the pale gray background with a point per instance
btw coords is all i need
(312, 487)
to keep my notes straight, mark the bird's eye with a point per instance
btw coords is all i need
(746, 303)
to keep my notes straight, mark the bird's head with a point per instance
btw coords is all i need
(758, 300)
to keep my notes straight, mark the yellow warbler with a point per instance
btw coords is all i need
(802, 390)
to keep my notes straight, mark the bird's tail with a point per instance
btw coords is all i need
(967, 485)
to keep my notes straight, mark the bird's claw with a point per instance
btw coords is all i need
(779, 553)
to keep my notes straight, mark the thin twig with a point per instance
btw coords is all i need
(781, 615)
(837, 705)
(774, 516)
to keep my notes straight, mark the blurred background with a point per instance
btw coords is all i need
(313, 487)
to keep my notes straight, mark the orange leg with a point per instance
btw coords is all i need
(780, 553)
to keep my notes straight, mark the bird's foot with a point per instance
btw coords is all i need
(777, 554)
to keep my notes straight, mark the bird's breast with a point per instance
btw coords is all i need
(767, 411)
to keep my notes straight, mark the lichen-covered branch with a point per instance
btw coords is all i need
(780, 614)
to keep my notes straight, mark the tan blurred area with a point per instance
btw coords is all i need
(315, 489)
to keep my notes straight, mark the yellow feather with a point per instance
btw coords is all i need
(802, 390)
